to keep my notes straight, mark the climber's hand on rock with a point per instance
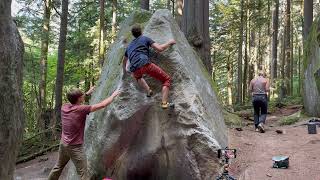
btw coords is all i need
(172, 42)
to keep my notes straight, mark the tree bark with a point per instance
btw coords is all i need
(292, 58)
(168, 5)
(144, 4)
(101, 33)
(275, 30)
(308, 17)
(246, 55)
(11, 96)
(229, 79)
(44, 61)
(299, 70)
(60, 63)
(195, 25)
(287, 48)
(179, 12)
(114, 19)
(239, 80)
(282, 70)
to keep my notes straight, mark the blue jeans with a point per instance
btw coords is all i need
(260, 106)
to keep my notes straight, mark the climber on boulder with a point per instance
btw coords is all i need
(139, 58)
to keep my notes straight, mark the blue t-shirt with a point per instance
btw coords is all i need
(138, 52)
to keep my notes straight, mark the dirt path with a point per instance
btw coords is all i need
(255, 151)
(37, 169)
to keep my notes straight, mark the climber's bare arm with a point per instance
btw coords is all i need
(161, 47)
(105, 102)
(267, 85)
(90, 91)
(251, 87)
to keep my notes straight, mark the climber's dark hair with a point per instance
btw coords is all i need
(136, 30)
(73, 95)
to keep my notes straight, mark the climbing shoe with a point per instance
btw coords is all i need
(261, 128)
(166, 105)
(150, 93)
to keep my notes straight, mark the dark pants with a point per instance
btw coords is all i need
(260, 106)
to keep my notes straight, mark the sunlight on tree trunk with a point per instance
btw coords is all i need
(179, 11)
(114, 19)
(239, 79)
(101, 33)
(229, 79)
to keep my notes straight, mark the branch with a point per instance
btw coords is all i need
(55, 9)
(33, 156)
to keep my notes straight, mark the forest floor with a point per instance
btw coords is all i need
(254, 152)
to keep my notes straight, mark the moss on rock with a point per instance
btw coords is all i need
(232, 120)
(288, 120)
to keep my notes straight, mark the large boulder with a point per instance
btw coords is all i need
(134, 138)
(311, 88)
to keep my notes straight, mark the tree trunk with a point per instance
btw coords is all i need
(311, 70)
(11, 96)
(252, 61)
(60, 63)
(287, 48)
(114, 19)
(239, 87)
(246, 55)
(101, 33)
(179, 12)
(144, 4)
(168, 5)
(282, 70)
(44, 61)
(173, 9)
(275, 28)
(229, 79)
(195, 25)
(292, 59)
(299, 70)
(308, 17)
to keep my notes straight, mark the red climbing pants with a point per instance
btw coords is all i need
(153, 71)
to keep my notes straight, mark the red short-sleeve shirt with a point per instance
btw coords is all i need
(73, 119)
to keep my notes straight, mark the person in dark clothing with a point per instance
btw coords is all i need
(259, 88)
(139, 64)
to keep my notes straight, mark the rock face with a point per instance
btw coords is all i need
(311, 82)
(134, 138)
